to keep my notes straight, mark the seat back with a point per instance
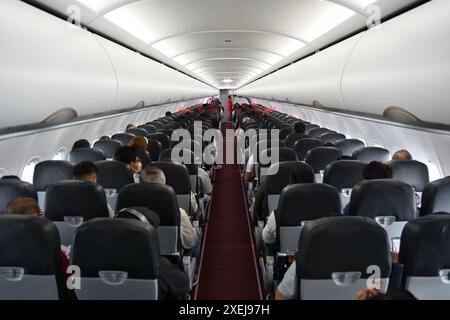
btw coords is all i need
(138, 132)
(317, 132)
(369, 154)
(108, 147)
(293, 138)
(310, 126)
(123, 137)
(154, 149)
(86, 154)
(12, 189)
(412, 172)
(338, 255)
(435, 197)
(424, 252)
(119, 259)
(332, 137)
(302, 146)
(164, 139)
(30, 259)
(299, 203)
(348, 146)
(162, 200)
(148, 127)
(50, 172)
(320, 157)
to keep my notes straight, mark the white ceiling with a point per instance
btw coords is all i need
(193, 35)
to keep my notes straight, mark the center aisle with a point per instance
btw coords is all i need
(228, 268)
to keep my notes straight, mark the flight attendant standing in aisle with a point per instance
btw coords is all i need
(230, 107)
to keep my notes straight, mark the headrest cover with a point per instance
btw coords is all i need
(320, 157)
(156, 197)
(304, 202)
(50, 172)
(276, 182)
(116, 244)
(109, 147)
(342, 244)
(302, 146)
(412, 172)
(75, 198)
(113, 174)
(435, 197)
(369, 154)
(86, 154)
(425, 246)
(123, 137)
(348, 146)
(11, 189)
(177, 176)
(344, 174)
(384, 197)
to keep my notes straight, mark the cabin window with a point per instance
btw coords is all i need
(60, 155)
(28, 170)
(433, 170)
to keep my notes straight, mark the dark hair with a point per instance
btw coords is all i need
(394, 294)
(298, 176)
(82, 143)
(168, 113)
(299, 127)
(377, 170)
(83, 169)
(126, 154)
(104, 138)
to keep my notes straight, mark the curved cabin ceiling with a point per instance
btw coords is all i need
(226, 43)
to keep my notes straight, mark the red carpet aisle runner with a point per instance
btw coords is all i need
(228, 268)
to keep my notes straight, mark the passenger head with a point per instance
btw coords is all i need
(377, 170)
(85, 171)
(24, 206)
(299, 127)
(131, 126)
(104, 138)
(297, 176)
(130, 156)
(152, 174)
(139, 142)
(402, 155)
(168, 113)
(82, 143)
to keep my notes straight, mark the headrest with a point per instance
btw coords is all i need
(51, 171)
(75, 198)
(32, 243)
(113, 174)
(317, 132)
(293, 138)
(140, 213)
(342, 244)
(302, 146)
(279, 174)
(332, 137)
(156, 197)
(123, 137)
(384, 197)
(412, 172)
(86, 154)
(344, 174)
(192, 165)
(177, 176)
(435, 197)
(138, 132)
(369, 154)
(116, 244)
(284, 154)
(285, 132)
(348, 146)
(144, 155)
(12, 189)
(310, 126)
(425, 246)
(320, 157)
(109, 147)
(303, 202)
(148, 127)
(154, 148)
(162, 138)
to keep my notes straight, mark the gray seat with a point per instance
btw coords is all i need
(30, 259)
(332, 137)
(412, 172)
(302, 146)
(338, 255)
(138, 132)
(12, 189)
(163, 138)
(348, 146)
(317, 132)
(435, 197)
(293, 138)
(108, 147)
(369, 154)
(123, 137)
(311, 126)
(119, 259)
(86, 154)
(148, 127)
(320, 157)
(424, 252)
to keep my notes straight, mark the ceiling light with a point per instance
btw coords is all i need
(227, 80)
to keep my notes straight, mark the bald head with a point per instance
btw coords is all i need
(402, 155)
(152, 174)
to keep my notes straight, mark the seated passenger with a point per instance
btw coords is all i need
(189, 237)
(402, 155)
(104, 138)
(82, 143)
(374, 170)
(205, 185)
(168, 113)
(299, 127)
(286, 289)
(130, 156)
(131, 126)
